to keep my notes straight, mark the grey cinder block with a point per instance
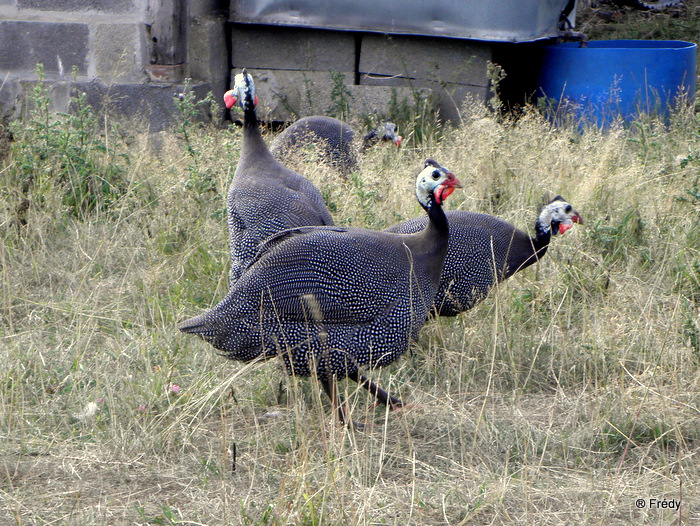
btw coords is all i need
(267, 47)
(144, 107)
(58, 46)
(452, 69)
(118, 52)
(140, 107)
(448, 96)
(436, 59)
(10, 100)
(109, 6)
(207, 53)
(289, 95)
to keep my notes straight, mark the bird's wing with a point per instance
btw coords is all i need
(329, 275)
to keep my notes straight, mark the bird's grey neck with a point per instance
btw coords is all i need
(437, 219)
(436, 236)
(370, 139)
(250, 119)
(543, 234)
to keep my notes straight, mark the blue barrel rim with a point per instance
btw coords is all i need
(626, 44)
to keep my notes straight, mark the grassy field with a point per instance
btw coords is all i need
(566, 396)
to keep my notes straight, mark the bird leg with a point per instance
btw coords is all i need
(330, 387)
(380, 394)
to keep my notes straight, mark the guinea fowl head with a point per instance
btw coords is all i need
(243, 92)
(390, 132)
(557, 217)
(434, 184)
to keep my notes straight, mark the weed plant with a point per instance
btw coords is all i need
(68, 154)
(341, 98)
(192, 113)
(569, 393)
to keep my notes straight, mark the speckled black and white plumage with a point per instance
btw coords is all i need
(483, 247)
(336, 141)
(265, 197)
(330, 300)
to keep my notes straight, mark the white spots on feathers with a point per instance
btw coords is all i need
(330, 299)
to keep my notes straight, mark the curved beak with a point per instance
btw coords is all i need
(445, 190)
(452, 181)
(566, 225)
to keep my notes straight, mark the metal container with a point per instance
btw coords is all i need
(492, 20)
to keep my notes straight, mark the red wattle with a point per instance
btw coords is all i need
(230, 99)
(442, 192)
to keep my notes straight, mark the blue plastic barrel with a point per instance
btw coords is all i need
(618, 77)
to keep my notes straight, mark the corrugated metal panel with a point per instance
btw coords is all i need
(491, 20)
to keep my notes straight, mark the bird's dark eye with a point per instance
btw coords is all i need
(436, 175)
(567, 209)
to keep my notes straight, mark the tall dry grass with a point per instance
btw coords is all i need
(569, 393)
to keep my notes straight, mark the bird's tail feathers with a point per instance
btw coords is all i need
(197, 325)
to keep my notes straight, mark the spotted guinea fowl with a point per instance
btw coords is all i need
(335, 139)
(265, 197)
(482, 246)
(329, 300)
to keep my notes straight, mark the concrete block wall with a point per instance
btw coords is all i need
(292, 67)
(102, 38)
(286, 95)
(108, 42)
(452, 69)
(295, 68)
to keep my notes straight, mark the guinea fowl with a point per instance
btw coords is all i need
(335, 139)
(329, 299)
(481, 245)
(265, 197)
